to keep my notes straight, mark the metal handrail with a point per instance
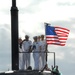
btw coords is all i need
(43, 52)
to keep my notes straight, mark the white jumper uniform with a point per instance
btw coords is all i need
(43, 55)
(26, 56)
(20, 58)
(36, 54)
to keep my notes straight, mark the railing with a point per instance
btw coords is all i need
(46, 55)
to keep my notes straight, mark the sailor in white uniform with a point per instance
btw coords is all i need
(43, 49)
(39, 41)
(26, 46)
(20, 54)
(36, 54)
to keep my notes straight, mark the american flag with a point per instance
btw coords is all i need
(56, 35)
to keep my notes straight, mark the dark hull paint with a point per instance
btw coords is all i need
(26, 73)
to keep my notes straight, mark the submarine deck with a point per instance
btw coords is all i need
(32, 72)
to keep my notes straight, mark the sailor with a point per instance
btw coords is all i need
(36, 55)
(26, 46)
(39, 41)
(20, 54)
(43, 51)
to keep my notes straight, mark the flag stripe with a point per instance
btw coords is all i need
(56, 38)
(53, 41)
(62, 28)
(64, 35)
(56, 44)
(60, 31)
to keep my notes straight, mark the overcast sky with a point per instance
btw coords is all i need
(32, 15)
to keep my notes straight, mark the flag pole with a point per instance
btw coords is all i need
(54, 60)
(45, 37)
(46, 24)
(46, 45)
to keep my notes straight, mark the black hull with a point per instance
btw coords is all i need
(26, 73)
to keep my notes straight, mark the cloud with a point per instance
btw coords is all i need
(5, 46)
(66, 68)
(29, 6)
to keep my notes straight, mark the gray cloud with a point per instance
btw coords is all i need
(5, 11)
(66, 3)
(66, 68)
(32, 7)
(5, 46)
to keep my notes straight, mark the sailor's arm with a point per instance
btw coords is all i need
(30, 47)
(46, 48)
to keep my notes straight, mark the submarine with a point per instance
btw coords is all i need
(15, 49)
